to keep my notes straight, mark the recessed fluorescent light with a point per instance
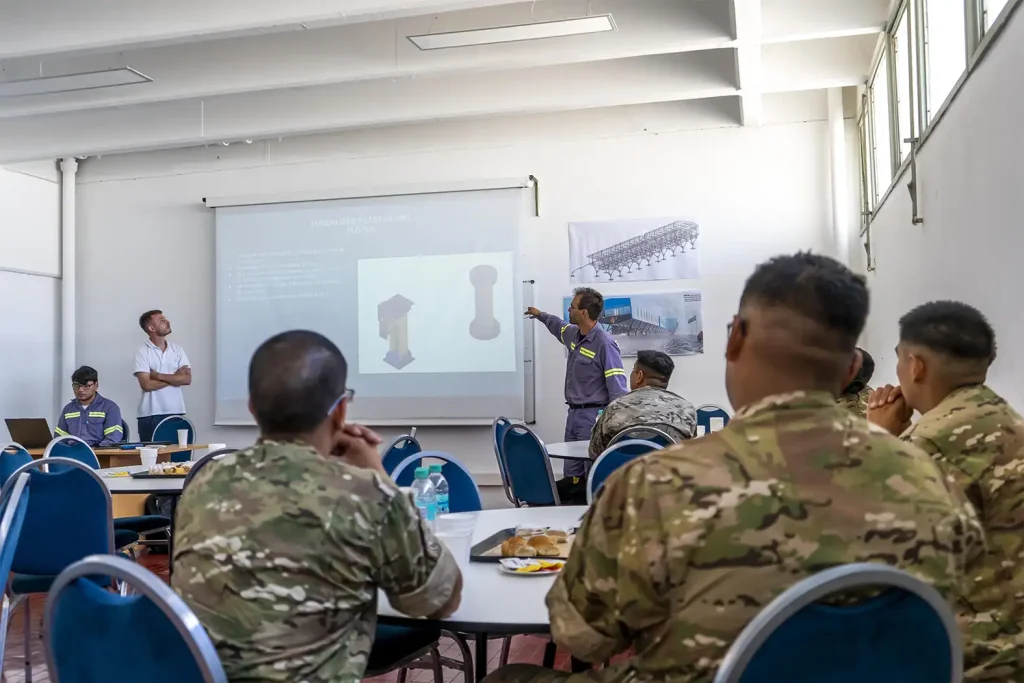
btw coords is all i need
(511, 34)
(48, 85)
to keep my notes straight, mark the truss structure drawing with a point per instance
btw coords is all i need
(643, 250)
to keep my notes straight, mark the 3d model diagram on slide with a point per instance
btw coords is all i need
(440, 313)
(393, 317)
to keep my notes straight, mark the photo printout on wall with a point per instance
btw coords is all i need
(671, 322)
(634, 250)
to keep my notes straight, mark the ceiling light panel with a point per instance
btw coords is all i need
(91, 80)
(512, 34)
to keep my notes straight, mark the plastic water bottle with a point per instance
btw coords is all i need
(425, 497)
(440, 489)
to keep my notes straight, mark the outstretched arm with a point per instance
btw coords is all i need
(558, 328)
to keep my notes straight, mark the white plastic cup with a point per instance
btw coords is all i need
(700, 431)
(182, 437)
(148, 456)
(456, 532)
(211, 448)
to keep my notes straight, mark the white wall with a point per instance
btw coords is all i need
(29, 292)
(755, 192)
(970, 172)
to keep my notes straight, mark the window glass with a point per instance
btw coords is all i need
(946, 47)
(881, 134)
(903, 50)
(992, 10)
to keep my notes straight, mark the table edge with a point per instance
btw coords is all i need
(490, 628)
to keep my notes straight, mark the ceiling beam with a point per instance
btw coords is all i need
(746, 18)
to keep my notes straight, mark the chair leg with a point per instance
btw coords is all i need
(549, 655)
(467, 655)
(28, 640)
(435, 659)
(506, 647)
(402, 674)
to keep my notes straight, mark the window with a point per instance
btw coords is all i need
(946, 50)
(867, 188)
(903, 50)
(992, 10)
(880, 130)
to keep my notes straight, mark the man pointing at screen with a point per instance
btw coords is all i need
(594, 377)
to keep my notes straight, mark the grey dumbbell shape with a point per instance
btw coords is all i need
(484, 326)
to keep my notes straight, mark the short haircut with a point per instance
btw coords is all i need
(816, 287)
(294, 379)
(591, 301)
(951, 328)
(657, 363)
(84, 375)
(867, 367)
(147, 317)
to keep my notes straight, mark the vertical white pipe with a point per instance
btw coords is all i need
(838, 168)
(68, 168)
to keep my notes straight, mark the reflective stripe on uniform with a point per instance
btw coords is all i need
(614, 371)
(587, 352)
(71, 416)
(561, 333)
(111, 430)
(97, 414)
(572, 347)
(61, 432)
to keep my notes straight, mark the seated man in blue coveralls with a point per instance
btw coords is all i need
(92, 418)
(594, 377)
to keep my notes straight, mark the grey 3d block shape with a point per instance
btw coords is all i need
(393, 318)
(484, 326)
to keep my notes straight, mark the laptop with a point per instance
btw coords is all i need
(30, 432)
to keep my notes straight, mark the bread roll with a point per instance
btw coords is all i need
(537, 541)
(517, 547)
(547, 550)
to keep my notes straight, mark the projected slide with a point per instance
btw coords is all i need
(450, 313)
(420, 292)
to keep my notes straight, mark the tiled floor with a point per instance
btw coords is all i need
(528, 649)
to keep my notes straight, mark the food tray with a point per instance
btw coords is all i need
(489, 549)
(147, 475)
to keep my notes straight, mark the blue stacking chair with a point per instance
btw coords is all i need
(529, 467)
(613, 458)
(68, 518)
(167, 430)
(708, 411)
(645, 433)
(398, 450)
(12, 457)
(87, 630)
(907, 634)
(498, 429)
(463, 493)
(203, 462)
(14, 507)
(127, 530)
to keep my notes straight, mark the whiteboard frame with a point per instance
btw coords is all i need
(369, 192)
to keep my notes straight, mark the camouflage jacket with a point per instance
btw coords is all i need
(856, 403)
(979, 439)
(280, 553)
(685, 546)
(647, 406)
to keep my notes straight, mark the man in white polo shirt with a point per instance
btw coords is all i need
(162, 369)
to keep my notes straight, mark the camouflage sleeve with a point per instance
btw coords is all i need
(611, 586)
(417, 572)
(598, 439)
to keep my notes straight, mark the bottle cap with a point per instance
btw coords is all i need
(435, 469)
(422, 473)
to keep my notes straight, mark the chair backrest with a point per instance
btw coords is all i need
(12, 457)
(69, 517)
(498, 429)
(202, 462)
(708, 411)
(72, 448)
(907, 634)
(645, 433)
(463, 493)
(87, 630)
(613, 458)
(14, 507)
(398, 450)
(167, 430)
(127, 432)
(529, 467)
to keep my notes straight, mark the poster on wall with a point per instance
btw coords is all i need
(634, 250)
(672, 322)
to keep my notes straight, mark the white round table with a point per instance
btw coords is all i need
(494, 603)
(170, 486)
(569, 450)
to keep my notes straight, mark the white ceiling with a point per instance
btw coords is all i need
(229, 70)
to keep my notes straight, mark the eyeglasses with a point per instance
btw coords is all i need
(347, 396)
(88, 385)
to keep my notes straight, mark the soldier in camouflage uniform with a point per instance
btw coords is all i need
(648, 404)
(943, 357)
(281, 548)
(855, 396)
(685, 546)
